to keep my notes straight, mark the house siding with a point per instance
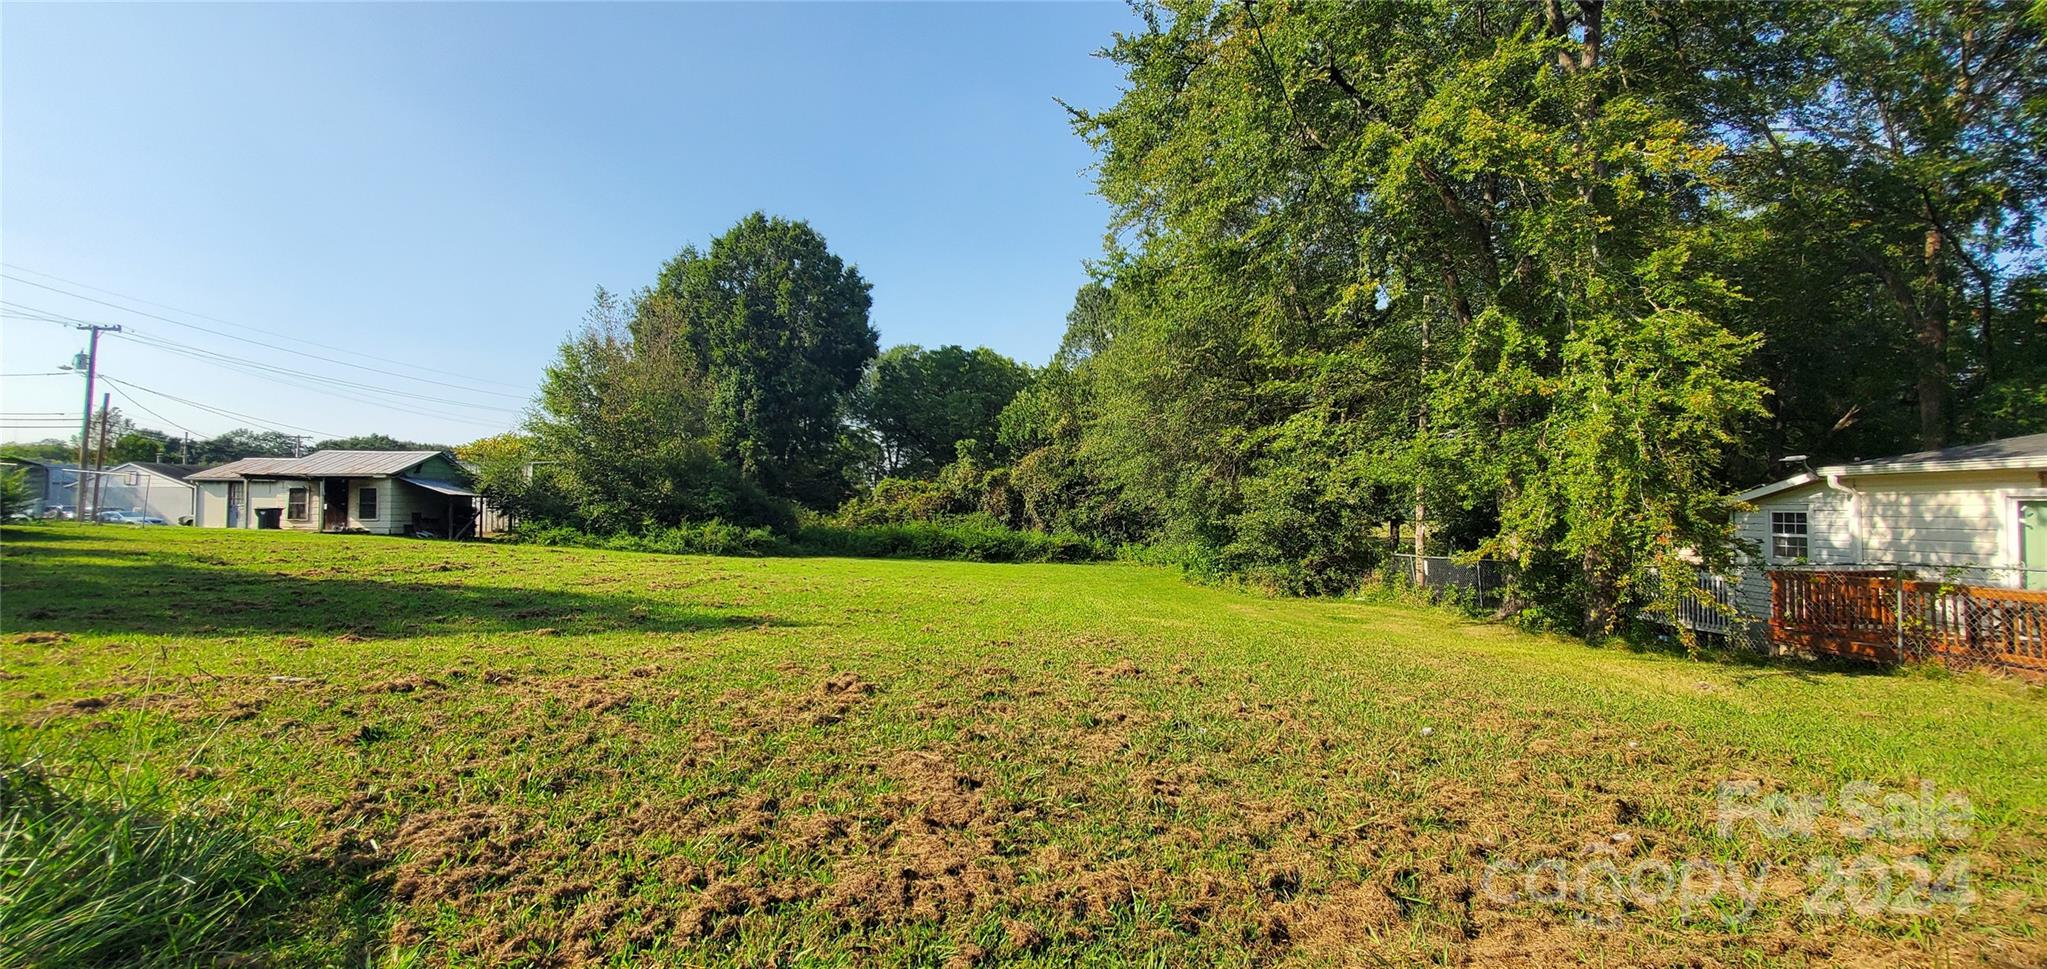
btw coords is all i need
(392, 512)
(1937, 520)
(210, 509)
(276, 493)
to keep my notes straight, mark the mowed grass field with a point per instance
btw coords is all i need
(470, 754)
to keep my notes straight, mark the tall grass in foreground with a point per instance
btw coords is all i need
(114, 874)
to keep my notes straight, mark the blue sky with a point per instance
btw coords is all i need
(432, 193)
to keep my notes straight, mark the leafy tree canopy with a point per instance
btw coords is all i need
(775, 325)
(921, 404)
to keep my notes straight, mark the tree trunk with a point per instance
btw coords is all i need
(1602, 601)
(1927, 319)
(1932, 334)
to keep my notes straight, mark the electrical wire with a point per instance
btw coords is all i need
(236, 415)
(146, 409)
(256, 369)
(232, 336)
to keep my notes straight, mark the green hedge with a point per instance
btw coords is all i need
(970, 538)
(707, 538)
(967, 538)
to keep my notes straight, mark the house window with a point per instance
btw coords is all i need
(1788, 536)
(366, 503)
(295, 505)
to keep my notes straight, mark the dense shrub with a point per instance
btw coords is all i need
(975, 538)
(707, 538)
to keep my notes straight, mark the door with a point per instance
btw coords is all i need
(334, 504)
(2033, 543)
(234, 504)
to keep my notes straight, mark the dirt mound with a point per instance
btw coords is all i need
(833, 699)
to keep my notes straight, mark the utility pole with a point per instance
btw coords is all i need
(298, 445)
(99, 464)
(92, 361)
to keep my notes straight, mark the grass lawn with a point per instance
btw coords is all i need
(465, 754)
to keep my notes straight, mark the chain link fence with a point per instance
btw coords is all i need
(1482, 582)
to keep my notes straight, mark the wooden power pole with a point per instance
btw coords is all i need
(92, 362)
(99, 464)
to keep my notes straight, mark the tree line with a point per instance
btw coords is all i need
(1543, 282)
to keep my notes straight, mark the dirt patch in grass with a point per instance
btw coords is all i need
(38, 638)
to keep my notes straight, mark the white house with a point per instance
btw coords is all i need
(384, 492)
(150, 488)
(1976, 513)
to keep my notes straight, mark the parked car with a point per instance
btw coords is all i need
(128, 518)
(56, 512)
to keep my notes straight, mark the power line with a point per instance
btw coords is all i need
(259, 372)
(254, 329)
(245, 365)
(146, 409)
(27, 312)
(39, 373)
(242, 365)
(272, 346)
(223, 412)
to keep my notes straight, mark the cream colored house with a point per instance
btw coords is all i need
(381, 492)
(1977, 513)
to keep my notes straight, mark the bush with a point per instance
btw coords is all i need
(122, 877)
(705, 538)
(974, 538)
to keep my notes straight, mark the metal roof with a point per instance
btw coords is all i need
(336, 463)
(321, 464)
(234, 470)
(2026, 451)
(444, 487)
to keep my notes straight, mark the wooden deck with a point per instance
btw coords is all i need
(1882, 615)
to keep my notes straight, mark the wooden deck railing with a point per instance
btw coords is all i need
(1885, 615)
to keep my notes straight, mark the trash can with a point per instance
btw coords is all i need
(269, 517)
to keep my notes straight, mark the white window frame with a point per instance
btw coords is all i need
(1805, 515)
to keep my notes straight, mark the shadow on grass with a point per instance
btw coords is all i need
(1655, 640)
(111, 591)
(43, 533)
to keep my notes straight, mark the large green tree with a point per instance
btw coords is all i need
(778, 327)
(920, 404)
(1896, 155)
(1433, 256)
(621, 437)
